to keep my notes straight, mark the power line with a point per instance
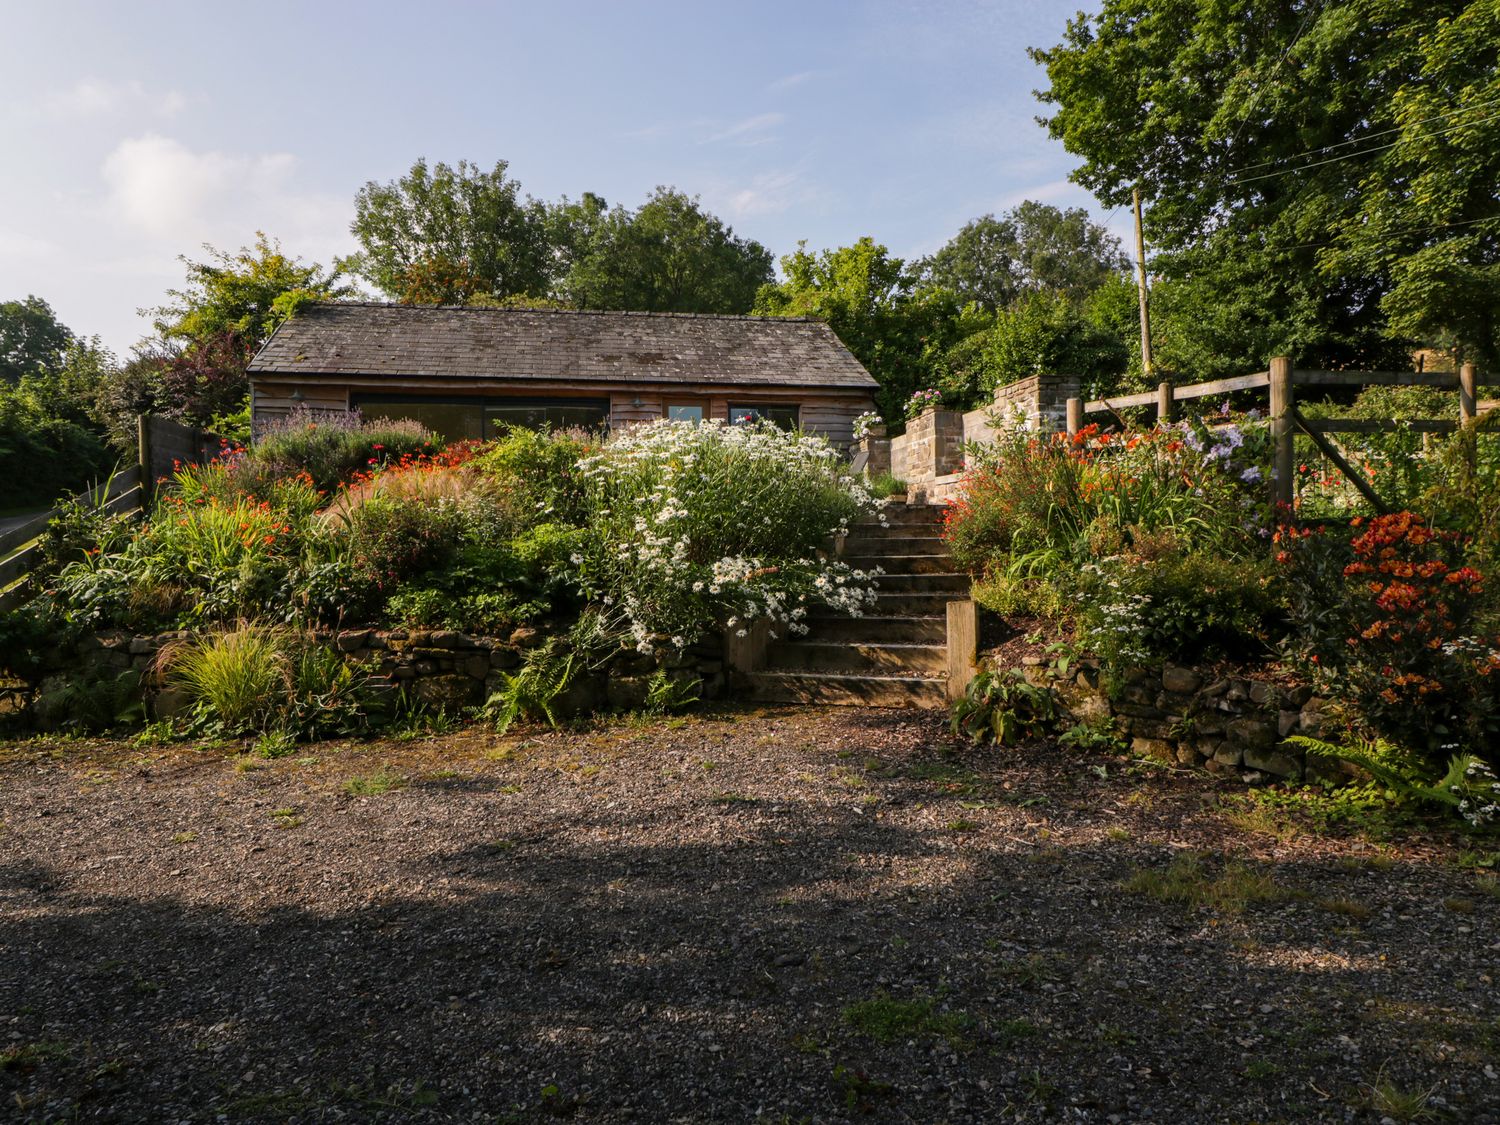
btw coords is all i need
(1362, 152)
(1390, 234)
(1371, 136)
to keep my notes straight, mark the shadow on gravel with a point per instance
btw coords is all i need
(575, 971)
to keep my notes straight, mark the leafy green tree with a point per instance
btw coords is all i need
(869, 300)
(1265, 136)
(247, 293)
(32, 339)
(469, 225)
(669, 255)
(1033, 248)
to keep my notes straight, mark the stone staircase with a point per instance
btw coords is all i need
(896, 655)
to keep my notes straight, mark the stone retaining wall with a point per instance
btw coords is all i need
(1227, 725)
(439, 668)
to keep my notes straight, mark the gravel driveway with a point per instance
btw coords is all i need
(795, 915)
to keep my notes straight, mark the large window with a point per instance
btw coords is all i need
(783, 416)
(463, 417)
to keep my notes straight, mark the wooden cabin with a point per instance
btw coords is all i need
(474, 372)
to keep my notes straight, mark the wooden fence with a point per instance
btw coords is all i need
(1287, 421)
(161, 445)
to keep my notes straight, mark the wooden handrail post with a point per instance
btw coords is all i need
(1075, 415)
(143, 454)
(1283, 452)
(1468, 393)
(1163, 403)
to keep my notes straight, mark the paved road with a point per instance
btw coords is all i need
(8, 522)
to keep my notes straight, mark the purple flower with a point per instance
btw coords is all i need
(1251, 475)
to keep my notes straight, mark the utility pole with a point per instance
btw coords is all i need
(1140, 275)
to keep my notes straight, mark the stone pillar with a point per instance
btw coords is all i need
(877, 450)
(1039, 402)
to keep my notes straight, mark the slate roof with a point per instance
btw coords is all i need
(411, 342)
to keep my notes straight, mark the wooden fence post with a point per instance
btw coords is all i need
(963, 646)
(1282, 431)
(143, 455)
(1075, 415)
(1163, 403)
(1468, 393)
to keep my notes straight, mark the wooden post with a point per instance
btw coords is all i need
(143, 454)
(1468, 393)
(963, 646)
(1075, 415)
(1282, 431)
(1163, 403)
(1140, 266)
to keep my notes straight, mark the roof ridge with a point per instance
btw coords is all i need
(397, 305)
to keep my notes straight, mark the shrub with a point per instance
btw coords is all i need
(238, 680)
(1003, 707)
(333, 446)
(260, 679)
(538, 469)
(696, 524)
(1162, 603)
(91, 700)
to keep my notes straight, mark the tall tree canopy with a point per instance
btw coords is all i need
(446, 234)
(1321, 174)
(870, 300)
(668, 255)
(247, 293)
(1032, 248)
(32, 339)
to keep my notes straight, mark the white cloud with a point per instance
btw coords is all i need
(752, 130)
(161, 187)
(790, 81)
(95, 97)
(772, 192)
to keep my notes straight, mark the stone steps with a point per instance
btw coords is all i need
(890, 630)
(895, 657)
(899, 563)
(822, 655)
(845, 690)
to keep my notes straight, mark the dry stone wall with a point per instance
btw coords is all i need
(436, 668)
(1228, 725)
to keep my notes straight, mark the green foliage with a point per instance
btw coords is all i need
(1003, 707)
(868, 298)
(539, 688)
(539, 470)
(447, 234)
(259, 679)
(32, 340)
(247, 293)
(1032, 248)
(334, 447)
(668, 691)
(89, 701)
(1190, 881)
(1164, 602)
(237, 680)
(888, 1020)
(883, 486)
(669, 255)
(44, 453)
(1467, 788)
(1091, 735)
(1044, 334)
(695, 526)
(1299, 169)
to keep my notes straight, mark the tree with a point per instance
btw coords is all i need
(213, 326)
(1033, 248)
(867, 297)
(465, 224)
(31, 338)
(247, 293)
(669, 255)
(1279, 143)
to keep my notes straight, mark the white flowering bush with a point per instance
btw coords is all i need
(864, 423)
(695, 526)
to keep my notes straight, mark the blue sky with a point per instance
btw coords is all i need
(136, 132)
